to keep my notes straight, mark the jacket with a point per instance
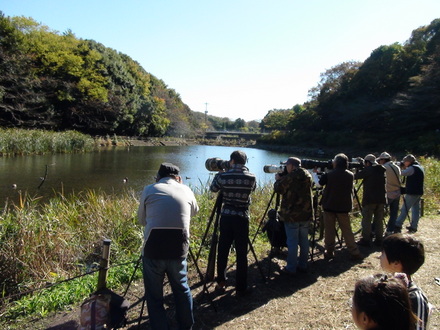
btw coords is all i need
(338, 191)
(374, 177)
(297, 201)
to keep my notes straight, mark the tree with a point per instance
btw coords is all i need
(276, 119)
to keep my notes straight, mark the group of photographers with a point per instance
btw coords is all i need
(167, 206)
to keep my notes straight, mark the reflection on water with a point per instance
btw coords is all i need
(107, 169)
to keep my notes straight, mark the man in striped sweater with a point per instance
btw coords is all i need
(236, 186)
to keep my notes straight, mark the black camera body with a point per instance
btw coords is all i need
(310, 164)
(217, 164)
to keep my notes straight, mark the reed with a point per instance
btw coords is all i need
(15, 141)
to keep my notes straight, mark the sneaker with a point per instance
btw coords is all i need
(387, 233)
(397, 230)
(411, 229)
(363, 242)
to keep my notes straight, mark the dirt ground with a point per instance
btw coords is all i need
(316, 300)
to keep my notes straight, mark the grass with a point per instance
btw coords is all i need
(41, 244)
(29, 142)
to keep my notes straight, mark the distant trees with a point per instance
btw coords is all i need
(57, 81)
(390, 101)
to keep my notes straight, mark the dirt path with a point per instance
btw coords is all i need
(317, 300)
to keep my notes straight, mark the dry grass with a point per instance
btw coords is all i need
(317, 300)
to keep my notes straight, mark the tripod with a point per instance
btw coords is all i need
(215, 217)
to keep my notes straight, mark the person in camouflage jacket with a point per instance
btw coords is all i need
(296, 211)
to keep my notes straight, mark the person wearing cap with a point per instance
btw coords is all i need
(236, 186)
(414, 191)
(337, 202)
(392, 187)
(296, 211)
(373, 199)
(165, 209)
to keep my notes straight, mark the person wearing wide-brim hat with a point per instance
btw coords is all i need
(392, 187)
(414, 191)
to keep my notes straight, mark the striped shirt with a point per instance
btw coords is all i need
(237, 184)
(419, 305)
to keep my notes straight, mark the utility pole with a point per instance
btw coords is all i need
(206, 117)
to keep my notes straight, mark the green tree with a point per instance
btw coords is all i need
(276, 119)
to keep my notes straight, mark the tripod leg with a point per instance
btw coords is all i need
(142, 312)
(216, 209)
(262, 218)
(256, 260)
(338, 237)
(199, 272)
(205, 288)
(132, 276)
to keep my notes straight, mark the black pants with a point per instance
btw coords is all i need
(233, 229)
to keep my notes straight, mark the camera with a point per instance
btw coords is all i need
(274, 168)
(217, 164)
(310, 164)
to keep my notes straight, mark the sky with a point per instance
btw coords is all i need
(235, 58)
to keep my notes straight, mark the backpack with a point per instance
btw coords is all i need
(276, 233)
(104, 309)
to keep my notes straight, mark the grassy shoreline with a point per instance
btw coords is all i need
(41, 244)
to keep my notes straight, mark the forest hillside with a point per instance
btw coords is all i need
(56, 81)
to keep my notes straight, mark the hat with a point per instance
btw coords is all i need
(384, 155)
(167, 169)
(293, 160)
(409, 158)
(371, 158)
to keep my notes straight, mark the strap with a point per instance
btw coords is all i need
(398, 179)
(277, 201)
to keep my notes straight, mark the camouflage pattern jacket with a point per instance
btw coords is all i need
(296, 191)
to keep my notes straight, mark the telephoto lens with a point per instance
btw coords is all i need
(217, 164)
(273, 168)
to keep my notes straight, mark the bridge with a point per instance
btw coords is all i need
(228, 135)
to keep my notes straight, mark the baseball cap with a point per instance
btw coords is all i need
(167, 169)
(293, 160)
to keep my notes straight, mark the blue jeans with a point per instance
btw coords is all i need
(410, 202)
(154, 271)
(297, 234)
(394, 210)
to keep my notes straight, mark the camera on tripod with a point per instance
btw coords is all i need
(217, 164)
(274, 168)
(310, 164)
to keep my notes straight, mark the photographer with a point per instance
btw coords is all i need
(337, 202)
(373, 199)
(392, 187)
(414, 190)
(296, 211)
(165, 209)
(236, 186)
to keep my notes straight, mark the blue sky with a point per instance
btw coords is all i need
(241, 57)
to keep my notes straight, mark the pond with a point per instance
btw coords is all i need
(115, 170)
